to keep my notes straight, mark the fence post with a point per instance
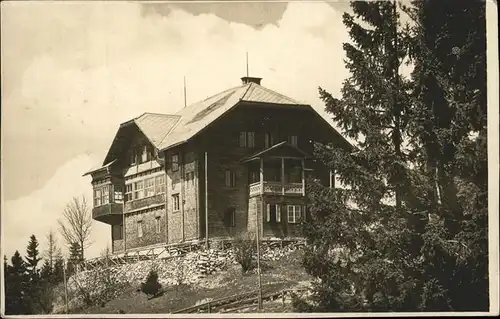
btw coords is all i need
(283, 298)
(209, 310)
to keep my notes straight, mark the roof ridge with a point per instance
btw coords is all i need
(222, 93)
(279, 94)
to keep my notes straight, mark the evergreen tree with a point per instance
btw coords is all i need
(33, 257)
(429, 247)
(355, 234)
(52, 248)
(34, 291)
(75, 258)
(16, 281)
(58, 272)
(449, 132)
(46, 272)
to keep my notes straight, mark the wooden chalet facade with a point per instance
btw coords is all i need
(237, 156)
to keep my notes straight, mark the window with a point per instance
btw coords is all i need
(247, 139)
(273, 213)
(175, 202)
(133, 157)
(160, 184)
(230, 179)
(294, 213)
(268, 140)
(118, 194)
(105, 195)
(128, 192)
(97, 197)
(293, 139)
(144, 154)
(158, 225)
(251, 139)
(139, 228)
(175, 162)
(230, 217)
(149, 188)
(243, 139)
(139, 190)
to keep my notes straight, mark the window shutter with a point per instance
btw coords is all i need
(298, 217)
(268, 213)
(228, 178)
(278, 213)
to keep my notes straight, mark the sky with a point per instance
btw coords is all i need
(73, 71)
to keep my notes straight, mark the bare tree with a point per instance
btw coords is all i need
(77, 224)
(52, 248)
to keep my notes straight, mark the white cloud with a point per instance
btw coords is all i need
(99, 64)
(37, 213)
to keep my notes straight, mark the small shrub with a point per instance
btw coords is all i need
(151, 286)
(244, 250)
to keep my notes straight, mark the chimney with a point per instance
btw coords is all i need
(248, 79)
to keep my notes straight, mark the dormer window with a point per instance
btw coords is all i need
(247, 139)
(145, 154)
(293, 140)
(133, 157)
(175, 162)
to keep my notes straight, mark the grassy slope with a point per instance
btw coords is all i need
(276, 275)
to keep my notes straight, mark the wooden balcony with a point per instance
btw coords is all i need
(110, 213)
(276, 188)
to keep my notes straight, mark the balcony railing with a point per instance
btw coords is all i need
(276, 188)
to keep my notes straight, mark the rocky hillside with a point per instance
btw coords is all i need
(197, 270)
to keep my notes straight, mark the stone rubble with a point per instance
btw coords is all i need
(176, 268)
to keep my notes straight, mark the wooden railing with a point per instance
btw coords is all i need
(276, 188)
(240, 301)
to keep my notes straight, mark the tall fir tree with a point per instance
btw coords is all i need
(356, 251)
(33, 291)
(429, 247)
(449, 121)
(52, 248)
(33, 257)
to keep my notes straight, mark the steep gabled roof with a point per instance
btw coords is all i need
(167, 130)
(154, 126)
(196, 117)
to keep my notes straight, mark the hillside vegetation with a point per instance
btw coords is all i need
(184, 283)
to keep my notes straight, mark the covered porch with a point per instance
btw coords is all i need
(277, 170)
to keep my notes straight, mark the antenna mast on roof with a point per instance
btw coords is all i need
(247, 63)
(185, 103)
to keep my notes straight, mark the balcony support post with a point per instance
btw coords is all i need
(261, 175)
(283, 176)
(303, 178)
